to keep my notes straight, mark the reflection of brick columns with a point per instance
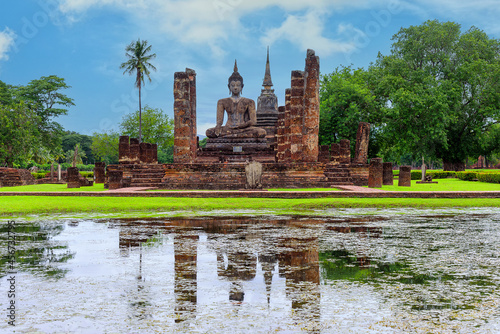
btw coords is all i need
(99, 175)
(124, 150)
(388, 175)
(362, 140)
(299, 264)
(375, 173)
(404, 176)
(185, 289)
(311, 108)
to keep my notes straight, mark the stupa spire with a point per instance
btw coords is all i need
(268, 83)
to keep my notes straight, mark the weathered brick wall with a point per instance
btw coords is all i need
(185, 116)
(297, 115)
(10, 177)
(280, 138)
(362, 141)
(311, 108)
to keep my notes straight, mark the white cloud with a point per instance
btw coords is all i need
(7, 38)
(307, 32)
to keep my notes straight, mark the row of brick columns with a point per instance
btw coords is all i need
(380, 173)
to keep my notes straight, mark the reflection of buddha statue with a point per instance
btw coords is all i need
(241, 114)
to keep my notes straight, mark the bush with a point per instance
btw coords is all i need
(467, 176)
(39, 175)
(439, 174)
(87, 174)
(489, 177)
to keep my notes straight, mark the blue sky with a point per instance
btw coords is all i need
(83, 41)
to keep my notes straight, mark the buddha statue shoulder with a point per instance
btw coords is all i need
(241, 113)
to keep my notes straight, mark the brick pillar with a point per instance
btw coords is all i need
(335, 154)
(73, 177)
(375, 173)
(124, 150)
(143, 154)
(288, 122)
(99, 175)
(134, 151)
(154, 148)
(388, 175)
(324, 154)
(404, 176)
(311, 108)
(345, 151)
(184, 116)
(192, 105)
(297, 115)
(362, 140)
(280, 138)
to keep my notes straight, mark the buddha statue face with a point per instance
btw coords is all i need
(235, 87)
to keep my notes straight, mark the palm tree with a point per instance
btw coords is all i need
(138, 54)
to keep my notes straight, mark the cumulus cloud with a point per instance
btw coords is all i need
(7, 38)
(306, 31)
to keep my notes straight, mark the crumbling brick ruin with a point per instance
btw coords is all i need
(290, 153)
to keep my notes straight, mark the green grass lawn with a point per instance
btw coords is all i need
(445, 185)
(52, 187)
(22, 206)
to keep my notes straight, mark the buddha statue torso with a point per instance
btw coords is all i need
(242, 116)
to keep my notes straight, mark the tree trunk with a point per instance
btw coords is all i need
(140, 116)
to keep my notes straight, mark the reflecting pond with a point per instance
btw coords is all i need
(351, 274)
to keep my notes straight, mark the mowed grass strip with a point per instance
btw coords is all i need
(52, 188)
(445, 185)
(47, 205)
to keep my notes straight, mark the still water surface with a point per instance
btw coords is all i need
(359, 274)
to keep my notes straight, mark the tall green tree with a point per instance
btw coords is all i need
(105, 146)
(18, 134)
(71, 138)
(45, 97)
(346, 99)
(442, 89)
(158, 127)
(139, 56)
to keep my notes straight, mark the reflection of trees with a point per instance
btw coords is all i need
(186, 288)
(35, 251)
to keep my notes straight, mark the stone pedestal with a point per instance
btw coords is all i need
(375, 173)
(99, 172)
(404, 176)
(388, 175)
(115, 178)
(73, 175)
(362, 140)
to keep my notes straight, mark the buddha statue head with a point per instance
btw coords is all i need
(235, 81)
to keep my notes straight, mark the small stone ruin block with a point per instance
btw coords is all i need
(73, 175)
(99, 172)
(388, 175)
(375, 173)
(404, 176)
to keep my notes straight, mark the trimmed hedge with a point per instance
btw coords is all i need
(87, 174)
(489, 177)
(39, 175)
(436, 174)
(467, 176)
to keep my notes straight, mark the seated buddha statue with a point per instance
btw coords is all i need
(241, 114)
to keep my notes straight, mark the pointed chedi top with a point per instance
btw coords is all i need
(268, 83)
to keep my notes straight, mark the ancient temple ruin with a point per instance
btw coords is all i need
(283, 139)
